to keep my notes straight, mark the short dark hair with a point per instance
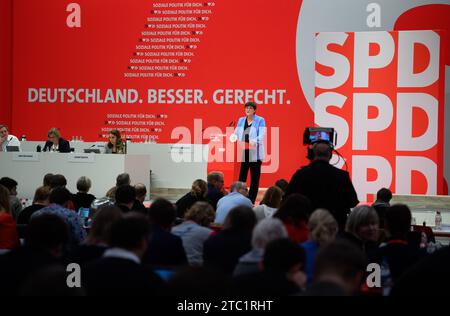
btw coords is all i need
(47, 179)
(123, 179)
(341, 258)
(241, 218)
(398, 221)
(125, 194)
(58, 180)
(46, 231)
(162, 212)
(60, 196)
(8, 183)
(296, 207)
(41, 194)
(282, 254)
(282, 184)
(384, 195)
(141, 190)
(128, 232)
(252, 104)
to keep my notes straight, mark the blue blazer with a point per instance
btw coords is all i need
(257, 133)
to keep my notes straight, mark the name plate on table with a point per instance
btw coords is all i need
(81, 158)
(23, 156)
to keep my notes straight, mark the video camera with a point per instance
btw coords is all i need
(314, 135)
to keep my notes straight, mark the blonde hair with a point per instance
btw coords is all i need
(360, 216)
(322, 226)
(202, 213)
(55, 132)
(199, 188)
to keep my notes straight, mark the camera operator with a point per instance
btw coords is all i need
(325, 185)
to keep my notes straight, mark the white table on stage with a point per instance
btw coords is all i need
(29, 168)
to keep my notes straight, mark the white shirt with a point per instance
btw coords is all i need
(122, 254)
(11, 140)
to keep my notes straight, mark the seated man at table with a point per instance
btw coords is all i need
(56, 143)
(7, 140)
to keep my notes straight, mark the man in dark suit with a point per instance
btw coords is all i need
(325, 185)
(56, 142)
(120, 271)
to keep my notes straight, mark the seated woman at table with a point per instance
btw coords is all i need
(115, 144)
(56, 143)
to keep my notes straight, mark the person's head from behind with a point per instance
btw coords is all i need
(123, 179)
(240, 218)
(384, 195)
(60, 196)
(398, 221)
(10, 184)
(201, 213)
(54, 135)
(48, 233)
(240, 187)
(272, 197)
(267, 230)
(283, 256)
(46, 182)
(125, 195)
(363, 223)
(84, 184)
(104, 219)
(322, 227)
(4, 132)
(216, 179)
(162, 213)
(322, 151)
(4, 200)
(141, 192)
(199, 188)
(131, 233)
(114, 138)
(295, 210)
(282, 184)
(57, 181)
(341, 263)
(42, 196)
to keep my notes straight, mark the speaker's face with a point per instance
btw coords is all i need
(3, 132)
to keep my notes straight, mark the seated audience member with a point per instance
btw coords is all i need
(8, 230)
(397, 253)
(215, 190)
(59, 200)
(338, 270)
(41, 199)
(120, 271)
(281, 272)
(322, 228)
(194, 231)
(282, 184)
(265, 231)
(122, 179)
(44, 244)
(14, 202)
(362, 228)
(222, 251)
(141, 193)
(6, 139)
(269, 204)
(294, 213)
(99, 237)
(83, 198)
(165, 249)
(56, 143)
(115, 145)
(199, 282)
(381, 205)
(237, 197)
(198, 193)
(58, 181)
(47, 179)
(125, 197)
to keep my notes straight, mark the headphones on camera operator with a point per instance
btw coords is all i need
(319, 135)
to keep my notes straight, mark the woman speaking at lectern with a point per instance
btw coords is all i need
(250, 130)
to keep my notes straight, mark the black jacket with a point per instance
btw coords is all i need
(327, 187)
(63, 146)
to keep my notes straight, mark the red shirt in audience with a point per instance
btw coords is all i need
(8, 232)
